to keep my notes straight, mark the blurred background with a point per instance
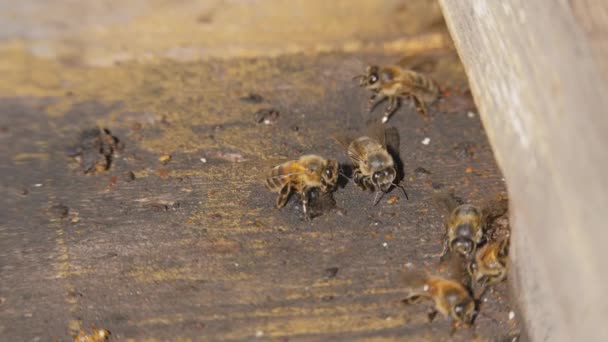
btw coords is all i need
(103, 32)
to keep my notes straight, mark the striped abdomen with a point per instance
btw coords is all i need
(278, 177)
(467, 210)
(360, 150)
(466, 222)
(422, 87)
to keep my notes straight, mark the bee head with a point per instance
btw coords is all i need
(463, 246)
(465, 311)
(329, 176)
(371, 77)
(384, 179)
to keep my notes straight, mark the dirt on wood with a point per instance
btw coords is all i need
(190, 246)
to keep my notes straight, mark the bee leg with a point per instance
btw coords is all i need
(283, 196)
(304, 196)
(363, 183)
(368, 184)
(484, 282)
(412, 299)
(444, 252)
(393, 105)
(453, 327)
(483, 285)
(420, 106)
(472, 268)
(358, 179)
(374, 101)
(432, 313)
(378, 197)
(373, 97)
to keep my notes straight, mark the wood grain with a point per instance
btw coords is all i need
(537, 72)
(193, 249)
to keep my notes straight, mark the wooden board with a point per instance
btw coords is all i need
(194, 249)
(538, 74)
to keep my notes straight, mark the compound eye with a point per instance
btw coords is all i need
(458, 310)
(373, 79)
(328, 173)
(463, 245)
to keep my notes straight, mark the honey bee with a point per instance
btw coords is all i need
(302, 175)
(98, 335)
(373, 166)
(490, 263)
(396, 83)
(451, 298)
(464, 227)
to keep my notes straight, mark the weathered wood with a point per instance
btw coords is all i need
(196, 249)
(538, 73)
(193, 249)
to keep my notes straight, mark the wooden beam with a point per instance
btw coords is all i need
(539, 71)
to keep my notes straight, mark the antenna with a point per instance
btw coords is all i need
(403, 189)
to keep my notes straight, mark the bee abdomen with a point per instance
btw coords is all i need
(276, 180)
(432, 91)
(467, 210)
(427, 88)
(464, 230)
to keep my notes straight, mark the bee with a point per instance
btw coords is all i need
(98, 335)
(490, 263)
(396, 83)
(373, 166)
(451, 298)
(302, 175)
(464, 226)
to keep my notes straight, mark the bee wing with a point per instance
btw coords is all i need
(392, 140)
(352, 150)
(446, 200)
(287, 170)
(454, 267)
(425, 66)
(343, 140)
(377, 131)
(388, 137)
(286, 175)
(424, 63)
(413, 279)
(356, 155)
